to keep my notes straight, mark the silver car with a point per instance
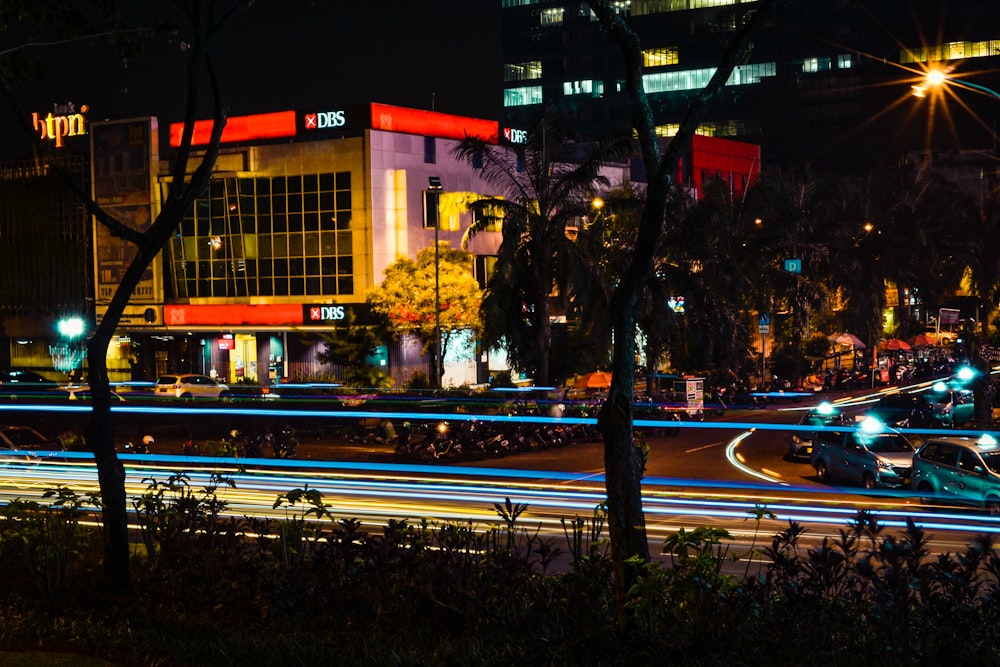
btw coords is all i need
(870, 455)
(959, 470)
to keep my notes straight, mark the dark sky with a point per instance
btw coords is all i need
(293, 54)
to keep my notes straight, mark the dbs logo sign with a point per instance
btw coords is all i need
(515, 136)
(323, 120)
(326, 313)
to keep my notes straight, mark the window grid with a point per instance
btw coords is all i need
(281, 236)
(950, 51)
(661, 57)
(527, 71)
(515, 97)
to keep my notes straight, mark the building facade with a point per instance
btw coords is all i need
(304, 212)
(828, 84)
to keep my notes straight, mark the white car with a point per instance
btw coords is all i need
(81, 392)
(190, 386)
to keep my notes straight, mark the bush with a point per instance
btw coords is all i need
(311, 588)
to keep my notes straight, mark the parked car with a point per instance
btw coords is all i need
(959, 470)
(871, 455)
(17, 382)
(825, 415)
(24, 438)
(190, 386)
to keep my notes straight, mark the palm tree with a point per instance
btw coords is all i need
(545, 186)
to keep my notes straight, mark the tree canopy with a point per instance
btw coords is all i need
(435, 291)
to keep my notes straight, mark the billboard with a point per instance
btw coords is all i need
(125, 157)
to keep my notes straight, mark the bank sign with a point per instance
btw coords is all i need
(323, 314)
(65, 120)
(328, 314)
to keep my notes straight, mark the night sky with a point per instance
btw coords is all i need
(292, 54)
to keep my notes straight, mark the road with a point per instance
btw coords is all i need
(719, 473)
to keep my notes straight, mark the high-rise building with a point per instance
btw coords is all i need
(829, 83)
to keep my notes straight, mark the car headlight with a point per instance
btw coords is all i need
(883, 464)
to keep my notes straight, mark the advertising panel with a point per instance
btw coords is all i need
(125, 155)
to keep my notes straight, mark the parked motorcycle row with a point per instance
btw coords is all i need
(280, 444)
(475, 439)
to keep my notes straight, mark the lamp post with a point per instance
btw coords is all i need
(434, 185)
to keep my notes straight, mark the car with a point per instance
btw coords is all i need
(18, 438)
(964, 471)
(14, 383)
(190, 386)
(81, 392)
(824, 415)
(904, 409)
(871, 455)
(951, 407)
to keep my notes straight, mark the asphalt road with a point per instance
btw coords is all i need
(698, 451)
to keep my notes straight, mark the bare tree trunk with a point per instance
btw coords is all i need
(622, 459)
(99, 435)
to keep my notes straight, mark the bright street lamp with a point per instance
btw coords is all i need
(935, 78)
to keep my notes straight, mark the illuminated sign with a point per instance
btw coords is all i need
(226, 343)
(63, 121)
(515, 136)
(224, 316)
(281, 124)
(431, 123)
(239, 128)
(323, 120)
(321, 314)
(253, 315)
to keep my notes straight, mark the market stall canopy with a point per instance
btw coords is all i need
(848, 339)
(595, 380)
(894, 344)
(922, 340)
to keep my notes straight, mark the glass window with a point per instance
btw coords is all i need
(661, 57)
(216, 251)
(343, 200)
(551, 16)
(515, 97)
(968, 461)
(947, 455)
(430, 150)
(522, 71)
(311, 245)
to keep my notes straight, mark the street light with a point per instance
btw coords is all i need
(434, 185)
(935, 78)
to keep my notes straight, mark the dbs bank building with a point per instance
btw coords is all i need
(304, 212)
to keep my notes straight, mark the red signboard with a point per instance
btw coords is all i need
(431, 123)
(240, 128)
(222, 316)
(226, 343)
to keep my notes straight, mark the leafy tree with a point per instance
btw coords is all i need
(411, 299)
(545, 186)
(190, 176)
(351, 345)
(623, 459)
